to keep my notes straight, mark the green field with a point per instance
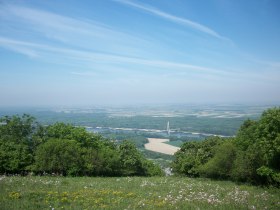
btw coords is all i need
(33, 192)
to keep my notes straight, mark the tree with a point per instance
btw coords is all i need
(268, 135)
(14, 157)
(151, 169)
(133, 162)
(61, 148)
(259, 149)
(220, 166)
(246, 135)
(131, 159)
(245, 165)
(252, 156)
(66, 131)
(186, 161)
(18, 129)
(59, 156)
(103, 160)
(192, 155)
(17, 143)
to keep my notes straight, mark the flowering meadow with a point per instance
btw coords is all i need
(47, 192)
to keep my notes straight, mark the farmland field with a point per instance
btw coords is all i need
(158, 145)
(34, 192)
(210, 119)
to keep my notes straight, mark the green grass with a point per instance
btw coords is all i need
(33, 192)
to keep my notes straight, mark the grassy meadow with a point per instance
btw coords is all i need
(34, 192)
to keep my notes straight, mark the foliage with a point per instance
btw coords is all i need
(26, 146)
(193, 154)
(151, 169)
(102, 161)
(14, 158)
(246, 135)
(269, 176)
(220, 165)
(18, 129)
(252, 156)
(67, 131)
(268, 137)
(18, 138)
(130, 158)
(134, 163)
(260, 149)
(59, 156)
(245, 165)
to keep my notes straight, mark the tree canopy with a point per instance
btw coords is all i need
(252, 156)
(27, 146)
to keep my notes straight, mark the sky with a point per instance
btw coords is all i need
(95, 52)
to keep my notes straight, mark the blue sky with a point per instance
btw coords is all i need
(95, 52)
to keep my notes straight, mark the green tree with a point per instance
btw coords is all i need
(259, 149)
(59, 156)
(17, 143)
(133, 162)
(103, 160)
(246, 135)
(268, 135)
(62, 148)
(186, 161)
(67, 131)
(14, 157)
(151, 169)
(245, 165)
(131, 159)
(18, 129)
(192, 155)
(220, 166)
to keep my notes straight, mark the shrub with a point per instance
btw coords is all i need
(59, 156)
(220, 165)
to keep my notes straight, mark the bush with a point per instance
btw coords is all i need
(252, 156)
(246, 164)
(269, 176)
(59, 156)
(104, 161)
(193, 155)
(14, 157)
(220, 165)
(64, 149)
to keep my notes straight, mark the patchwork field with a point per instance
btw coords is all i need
(158, 145)
(131, 193)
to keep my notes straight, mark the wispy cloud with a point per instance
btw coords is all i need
(74, 34)
(48, 26)
(93, 57)
(85, 73)
(173, 18)
(272, 64)
(118, 64)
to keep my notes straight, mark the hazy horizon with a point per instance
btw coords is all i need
(139, 106)
(129, 52)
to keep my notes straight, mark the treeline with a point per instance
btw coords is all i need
(62, 149)
(252, 156)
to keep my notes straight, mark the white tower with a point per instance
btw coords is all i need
(168, 128)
